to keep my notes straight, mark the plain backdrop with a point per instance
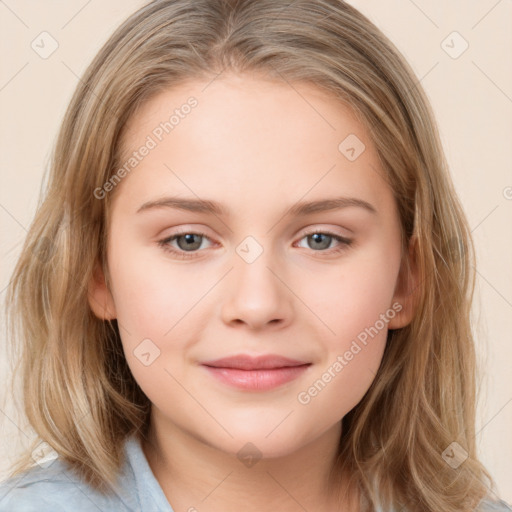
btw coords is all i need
(461, 51)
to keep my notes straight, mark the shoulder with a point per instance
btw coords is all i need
(47, 486)
(487, 505)
(53, 487)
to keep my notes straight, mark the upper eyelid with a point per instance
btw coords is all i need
(325, 230)
(308, 232)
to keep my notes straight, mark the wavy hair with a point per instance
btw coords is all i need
(78, 392)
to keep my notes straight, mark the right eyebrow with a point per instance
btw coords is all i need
(191, 205)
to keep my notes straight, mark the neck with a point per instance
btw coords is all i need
(196, 476)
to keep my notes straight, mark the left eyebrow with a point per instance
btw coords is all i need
(299, 209)
(336, 203)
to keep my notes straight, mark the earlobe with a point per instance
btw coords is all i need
(99, 296)
(407, 290)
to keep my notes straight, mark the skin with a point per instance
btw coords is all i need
(257, 147)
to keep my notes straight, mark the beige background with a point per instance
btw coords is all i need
(471, 95)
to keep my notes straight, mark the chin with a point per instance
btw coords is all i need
(257, 443)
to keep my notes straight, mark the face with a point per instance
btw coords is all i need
(295, 253)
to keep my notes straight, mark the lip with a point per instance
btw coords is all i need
(247, 362)
(256, 373)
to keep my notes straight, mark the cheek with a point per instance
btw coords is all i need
(352, 295)
(352, 354)
(354, 302)
(151, 293)
(153, 311)
(341, 384)
(154, 304)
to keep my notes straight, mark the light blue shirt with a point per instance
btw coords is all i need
(52, 487)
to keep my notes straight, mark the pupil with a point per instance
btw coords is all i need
(317, 238)
(190, 242)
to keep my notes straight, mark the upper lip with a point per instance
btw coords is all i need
(246, 362)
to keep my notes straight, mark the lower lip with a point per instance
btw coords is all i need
(257, 380)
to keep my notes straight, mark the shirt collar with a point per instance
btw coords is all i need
(146, 487)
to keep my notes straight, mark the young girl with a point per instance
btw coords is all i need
(249, 283)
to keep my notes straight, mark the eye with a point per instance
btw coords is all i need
(321, 240)
(188, 243)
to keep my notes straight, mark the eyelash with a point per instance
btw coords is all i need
(345, 243)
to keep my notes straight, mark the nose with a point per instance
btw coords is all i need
(256, 295)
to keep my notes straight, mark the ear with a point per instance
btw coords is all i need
(407, 290)
(99, 296)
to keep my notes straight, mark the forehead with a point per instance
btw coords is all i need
(255, 108)
(260, 139)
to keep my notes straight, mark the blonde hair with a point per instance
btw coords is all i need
(79, 394)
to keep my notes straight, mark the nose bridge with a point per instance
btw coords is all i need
(255, 296)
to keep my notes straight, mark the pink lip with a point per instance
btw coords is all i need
(246, 362)
(256, 373)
